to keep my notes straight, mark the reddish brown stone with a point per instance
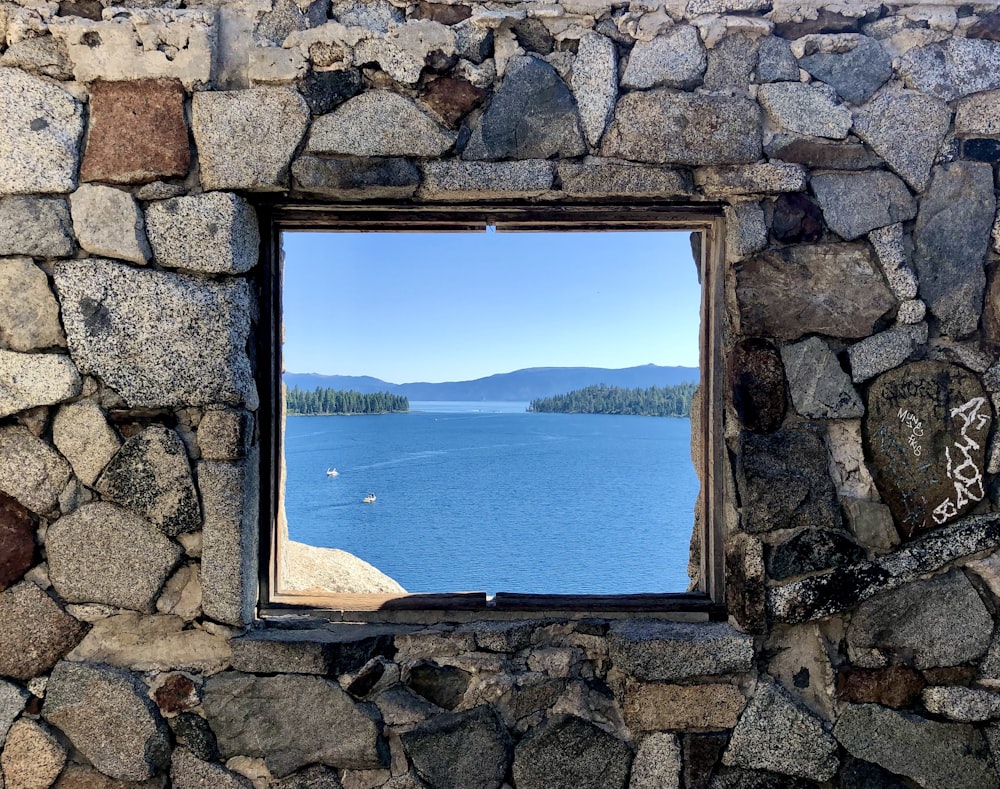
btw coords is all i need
(991, 309)
(445, 14)
(895, 686)
(758, 385)
(137, 132)
(17, 536)
(949, 675)
(451, 98)
(88, 9)
(35, 632)
(701, 755)
(176, 694)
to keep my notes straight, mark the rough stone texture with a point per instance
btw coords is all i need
(12, 700)
(28, 380)
(746, 230)
(855, 66)
(819, 387)
(812, 550)
(356, 178)
(567, 752)
(667, 127)
(893, 686)
(954, 68)
(775, 61)
(940, 622)
(33, 473)
(925, 433)
(42, 127)
(452, 98)
(290, 722)
(82, 435)
(652, 650)
(871, 523)
(310, 651)
(784, 481)
(36, 226)
(848, 466)
(950, 241)
(187, 771)
(532, 116)
(885, 350)
(326, 90)
(46, 57)
(461, 749)
(105, 554)
(225, 434)
(891, 249)
(946, 755)
(657, 763)
(379, 123)
(106, 715)
(778, 291)
(745, 584)
(192, 355)
(805, 109)
(854, 203)
(966, 705)
(136, 132)
(34, 632)
(444, 686)
(731, 62)
(675, 59)
(214, 233)
(456, 180)
(596, 177)
(758, 385)
(29, 313)
(594, 82)
(821, 154)
(978, 115)
(182, 594)
(656, 706)
(17, 536)
(246, 138)
(107, 222)
(32, 756)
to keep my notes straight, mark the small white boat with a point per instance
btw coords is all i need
(332, 472)
(369, 499)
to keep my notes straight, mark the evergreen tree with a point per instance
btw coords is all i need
(601, 399)
(335, 401)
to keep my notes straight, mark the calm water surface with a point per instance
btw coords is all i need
(486, 497)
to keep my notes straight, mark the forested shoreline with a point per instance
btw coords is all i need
(601, 399)
(321, 401)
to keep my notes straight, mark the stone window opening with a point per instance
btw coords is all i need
(705, 594)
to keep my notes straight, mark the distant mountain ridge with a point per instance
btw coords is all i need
(519, 385)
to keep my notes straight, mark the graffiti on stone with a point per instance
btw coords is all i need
(925, 436)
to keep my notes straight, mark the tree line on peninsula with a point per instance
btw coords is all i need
(601, 399)
(323, 401)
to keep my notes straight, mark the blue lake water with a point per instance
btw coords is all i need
(487, 497)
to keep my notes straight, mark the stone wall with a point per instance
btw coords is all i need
(852, 144)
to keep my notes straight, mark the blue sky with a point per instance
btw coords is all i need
(408, 307)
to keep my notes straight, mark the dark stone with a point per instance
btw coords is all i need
(981, 149)
(855, 74)
(759, 779)
(991, 309)
(812, 550)
(88, 9)
(731, 62)
(893, 686)
(176, 694)
(440, 62)
(950, 675)
(325, 90)
(534, 36)
(442, 685)
(524, 699)
(758, 385)
(532, 116)
(512, 636)
(35, 632)
(775, 61)
(460, 750)
(452, 98)
(950, 241)
(796, 219)
(925, 433)
(855, 203)
(701, 754)
(567, 752)
(315, 777)
(987, 27)
(784, 481)
(826, 21)
(17, 536)
(821, 154)
(445, 14)
(353, 178)
(858, 774)
(331, 652)
(193, 732)
(745, 583)
(366, 679)
(136, 132)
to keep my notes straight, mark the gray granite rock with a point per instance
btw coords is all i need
(832, 289)
(953, 68)
(44, 56)
(731, 62)
(750, 179)
(855, 203)
(291, 721)
(320, 777)
(567, 752)
(246, 138)
(945, 755)
(457, 180)
(906, 129)
(107, 221)
(911, 311)
(356, 178)
(965, 705)
(596, 177)
(372, 14)
(32, 472)
(675, 59)
(532, 116)
(192, 354)
(40, 147)
(594, 82)
(892, 249)
(106, 715)
(657, 763)
(379, 123)
(775, 61)
(225, 434)
(82, 435)
(784, 481)
(444, 686)
(853, 65)
(821, 154)
(452, 751)
(214, 233)
(746, 230)
(819, 387)
(35, 632)
(652, 650)
(951, 239)
(939, 622)
(776, 734)
(151, 475)
(28, 380)
(805, 109)
(12, 700)
(885, 350)
(29, 313)
(187, 771)
(35, 226)
(812, 550)
(668, 127)
(105, 554)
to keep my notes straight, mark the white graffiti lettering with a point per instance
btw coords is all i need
(966, 476)
(916, 427)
